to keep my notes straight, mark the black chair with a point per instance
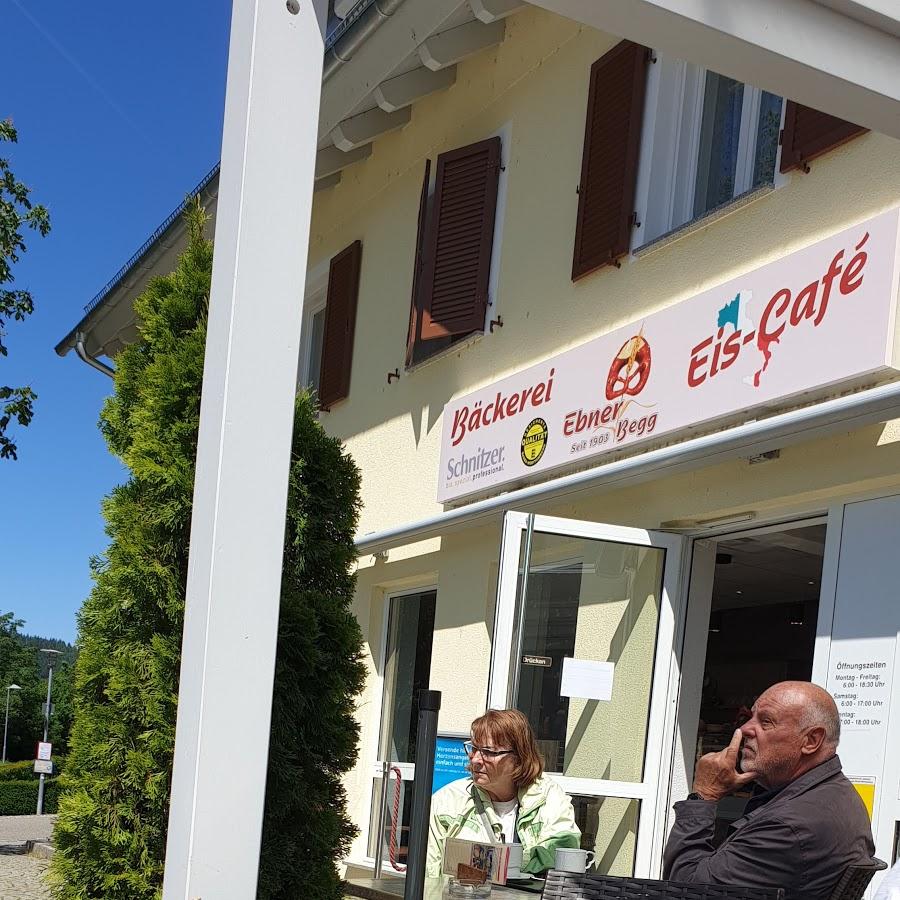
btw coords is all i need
(591, 886)
(855, 880)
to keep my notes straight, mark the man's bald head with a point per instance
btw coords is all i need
(815, 707)
(795, 727)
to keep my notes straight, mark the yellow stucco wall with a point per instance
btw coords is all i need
(535, 84)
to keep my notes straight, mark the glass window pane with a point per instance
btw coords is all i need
(407, 671)
(720, 129)
(609, 827)
(315, 351)
(590, 600)
(766, 139)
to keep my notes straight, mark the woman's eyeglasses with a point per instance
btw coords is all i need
(486, 752)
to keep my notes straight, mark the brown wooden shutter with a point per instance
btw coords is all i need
(612, 142)
(458, 264)
(340, 322)
(809, 133)
(415, 316)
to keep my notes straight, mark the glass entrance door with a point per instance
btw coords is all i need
(583, 645)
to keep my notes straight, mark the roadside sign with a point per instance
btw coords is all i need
(44, 750)
(43, 766)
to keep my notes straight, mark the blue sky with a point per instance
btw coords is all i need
(119, 113)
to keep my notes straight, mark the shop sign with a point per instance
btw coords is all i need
(812, 321)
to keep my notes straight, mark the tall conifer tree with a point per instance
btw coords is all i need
(111, 831)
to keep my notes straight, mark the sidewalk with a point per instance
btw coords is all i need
(21, 877)
(15, 831)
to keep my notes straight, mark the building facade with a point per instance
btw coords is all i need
(612, 339)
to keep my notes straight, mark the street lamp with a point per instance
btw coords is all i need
(50, 654)
(10, 687)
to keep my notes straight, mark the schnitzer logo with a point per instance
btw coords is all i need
(628, 376)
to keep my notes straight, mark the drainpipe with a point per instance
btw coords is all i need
(85, 357)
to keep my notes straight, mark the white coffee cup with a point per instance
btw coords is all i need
(568, 859)
(514, 866)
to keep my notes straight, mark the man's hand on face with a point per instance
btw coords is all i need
(717, 775)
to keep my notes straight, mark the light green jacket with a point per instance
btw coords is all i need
(545, 821)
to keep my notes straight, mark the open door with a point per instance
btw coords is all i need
(583, 645)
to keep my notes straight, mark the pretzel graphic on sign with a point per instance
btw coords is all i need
(630, 369)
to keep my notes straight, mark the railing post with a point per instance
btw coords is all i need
(426, 741)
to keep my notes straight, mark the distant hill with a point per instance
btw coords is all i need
(68, 652)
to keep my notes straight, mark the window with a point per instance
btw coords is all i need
(407, 670)
(707, 140)
(315, 330)
(667, 142)
(589, 600)
(455, 268)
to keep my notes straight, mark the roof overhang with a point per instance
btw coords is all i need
(383, 57)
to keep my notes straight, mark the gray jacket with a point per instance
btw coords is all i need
(801, 837)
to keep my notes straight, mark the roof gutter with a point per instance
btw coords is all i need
(845, 413)
(94, 363)
(366, 18)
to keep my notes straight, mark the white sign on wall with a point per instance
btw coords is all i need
(587, 679)
(820, 317)
(859, 679)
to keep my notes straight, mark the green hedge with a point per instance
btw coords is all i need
(17, 771)
(19, 798)
(24, 770)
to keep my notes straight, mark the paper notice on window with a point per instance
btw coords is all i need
(587, 679)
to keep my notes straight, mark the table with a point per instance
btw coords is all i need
(392, 888)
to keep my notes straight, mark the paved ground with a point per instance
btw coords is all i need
(20, 878)
(18, 829)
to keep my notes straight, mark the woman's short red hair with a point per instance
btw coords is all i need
(509, 729)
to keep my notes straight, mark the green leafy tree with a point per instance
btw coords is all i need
(111, 832)
(16, 213)
(18, 666)
(22, 664)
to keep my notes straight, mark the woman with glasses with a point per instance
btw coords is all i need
(507, 799)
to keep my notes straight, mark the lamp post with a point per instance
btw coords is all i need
(50, 654)
(10, 687)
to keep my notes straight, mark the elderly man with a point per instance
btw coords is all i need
(805, 822)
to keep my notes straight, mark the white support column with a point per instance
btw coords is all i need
(249, 380)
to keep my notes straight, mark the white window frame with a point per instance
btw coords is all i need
(666, 183)
(315, 298)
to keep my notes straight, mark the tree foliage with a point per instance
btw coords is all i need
(22, 664)
(111, 832)
(16, 212)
